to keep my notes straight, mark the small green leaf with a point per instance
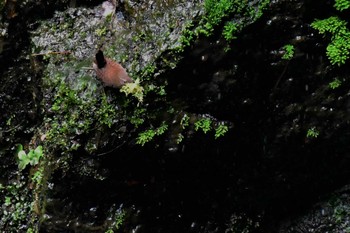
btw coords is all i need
(21, 155)
(19, 148)
(288, 52)
(220, 131)
(39, 151)
(23, 163)
(312, 133)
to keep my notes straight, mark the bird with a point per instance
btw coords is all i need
(110, 72)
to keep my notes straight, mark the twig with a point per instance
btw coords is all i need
(51, 52)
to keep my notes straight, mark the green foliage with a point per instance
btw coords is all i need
(77, 108)
(74, 113)
(338, 50)
(184, 122)
(9, 121)
(187, 35)
(220, 130)
(148, 70)
(118, 222)
(230, 29)
(159, 90)
(101, 31)
(204, 124)
(312, 133)
(335, 83)
(16, 206)
(288, 52)
(341, 213)
(148, 135)
(341, 5)
(135, 89)
(179, 138)
(31, 158)
(332, 25)
(216, 10)
(38, 176)
(137, 118)
(106, 113)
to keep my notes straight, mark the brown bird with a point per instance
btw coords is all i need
(110, 72)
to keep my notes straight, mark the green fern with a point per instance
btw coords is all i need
(148, 135)
(335, 83)
(204, 124)
(341, 5)
(288, 52)
(338, 50)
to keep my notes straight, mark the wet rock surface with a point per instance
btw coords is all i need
(263, 171)
(331, 215)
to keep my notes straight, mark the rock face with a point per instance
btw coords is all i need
(331, 215)
(236, 120)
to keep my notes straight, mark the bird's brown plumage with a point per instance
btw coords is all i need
(110, 72)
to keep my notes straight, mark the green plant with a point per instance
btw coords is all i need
(179, 138)
(288, 52)
(230, 29)
(220, 130)
(216, 10)
(341, 5)
(101, 31)
(204, 124)
(16, 205)
(118, 222)
(338, 50)
(148, 135)
(31, 158)
(187, 35)
(38, 176)
(137, 118)
(184, 122)
(335, 83)
(312, 133)
(135, 89)
(106, 112)
(76, 109)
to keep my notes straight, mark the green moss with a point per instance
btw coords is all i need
(234, 14)
(187, 35)
(230, 30)
(217, 10)
(106, 113)
(16, 211)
